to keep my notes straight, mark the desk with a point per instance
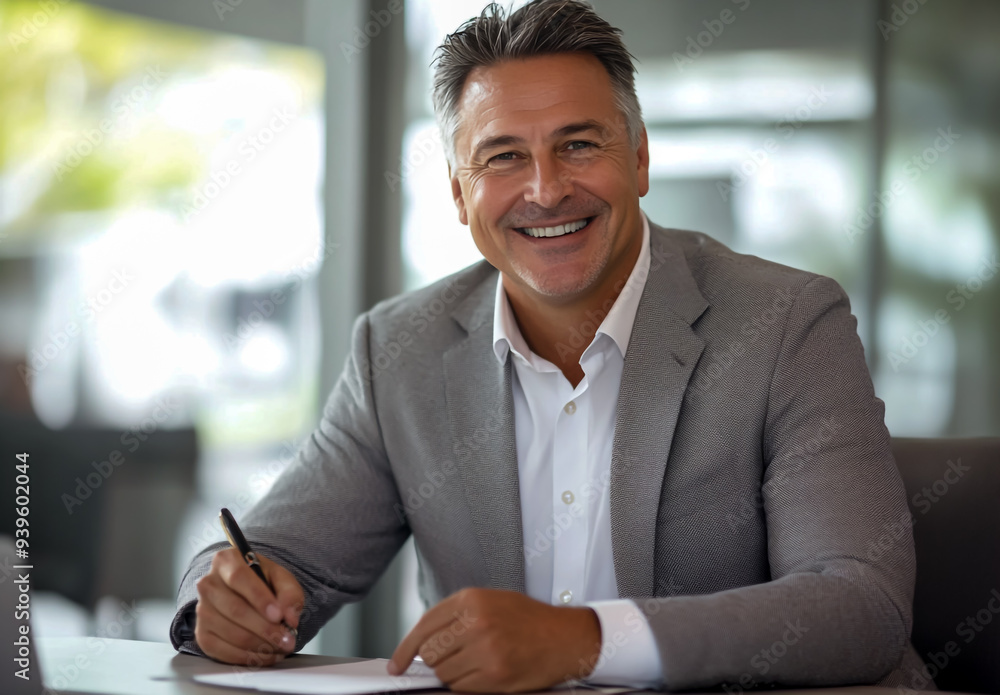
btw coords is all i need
(98, 666)
(94, 666)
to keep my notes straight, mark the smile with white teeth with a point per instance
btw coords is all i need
(567, 228)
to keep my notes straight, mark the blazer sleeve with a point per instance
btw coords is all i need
(838, 608)
(329, 518)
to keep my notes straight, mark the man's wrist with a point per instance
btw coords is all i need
(628, 653)
(587, 628)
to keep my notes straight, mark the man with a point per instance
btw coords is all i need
(627, 454)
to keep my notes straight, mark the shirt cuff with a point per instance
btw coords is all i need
(629, 655)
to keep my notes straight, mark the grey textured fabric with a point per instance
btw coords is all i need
(754, 497)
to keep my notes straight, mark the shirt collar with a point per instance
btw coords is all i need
(617, 325)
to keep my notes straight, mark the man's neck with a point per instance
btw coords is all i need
(549, 328)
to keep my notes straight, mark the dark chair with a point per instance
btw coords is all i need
(953, 487)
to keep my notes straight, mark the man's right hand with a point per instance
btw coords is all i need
(239, 619)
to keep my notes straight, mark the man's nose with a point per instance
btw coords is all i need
(550, 182)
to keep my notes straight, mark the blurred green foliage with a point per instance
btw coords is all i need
(71, 136)
(60, 65)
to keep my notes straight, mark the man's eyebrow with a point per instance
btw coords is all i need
(570, 129)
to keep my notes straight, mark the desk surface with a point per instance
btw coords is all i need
(97, 666)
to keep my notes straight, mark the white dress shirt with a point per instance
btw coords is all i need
(563, 437)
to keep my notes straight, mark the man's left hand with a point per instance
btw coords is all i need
(486, 640)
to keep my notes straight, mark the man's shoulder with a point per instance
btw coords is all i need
(719, 271)
(432, 305)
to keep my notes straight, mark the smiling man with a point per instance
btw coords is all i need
(627, 454)
(548, 176)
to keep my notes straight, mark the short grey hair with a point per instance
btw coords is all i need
(541, 27)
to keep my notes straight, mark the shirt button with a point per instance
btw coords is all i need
(566, 596)
(567, 497)
(570, 408)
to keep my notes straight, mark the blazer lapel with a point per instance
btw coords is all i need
(481, 416)
(662, 353)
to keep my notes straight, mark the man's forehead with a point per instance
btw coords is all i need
(531, 101)
(556, 70)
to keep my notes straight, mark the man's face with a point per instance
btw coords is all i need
(540, 144)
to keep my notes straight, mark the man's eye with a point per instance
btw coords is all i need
(581, 142)
(501, 157)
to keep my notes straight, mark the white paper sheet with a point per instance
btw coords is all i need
(358, 678)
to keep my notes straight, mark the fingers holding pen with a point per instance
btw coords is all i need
(246, 602)
(236, 608)
(287, 590)
(224, 640)
(236, 575)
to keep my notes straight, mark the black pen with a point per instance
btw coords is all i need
(239, 541)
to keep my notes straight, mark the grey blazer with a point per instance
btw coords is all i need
(757, 515)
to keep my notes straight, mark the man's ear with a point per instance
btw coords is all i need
(456, 193)
(642, 163)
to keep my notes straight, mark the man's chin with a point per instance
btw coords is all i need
(556, 287)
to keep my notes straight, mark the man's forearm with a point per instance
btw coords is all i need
(809, 628)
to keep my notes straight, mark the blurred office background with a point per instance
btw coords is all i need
(197, 198)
